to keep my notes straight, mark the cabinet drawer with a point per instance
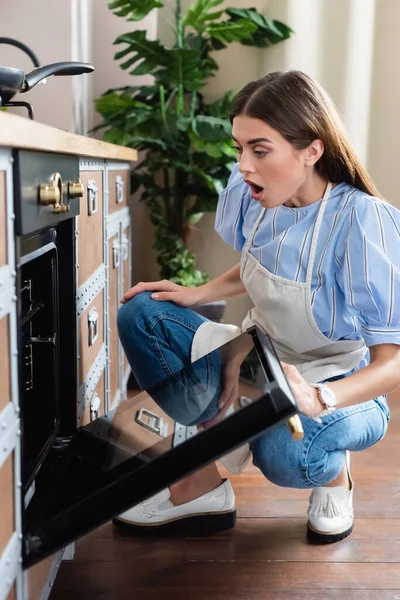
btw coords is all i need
(3, 220)
(91, 334)
(7, 527)
(90, 225)
(97, 399)
(118, 189)
(114, 257)
(5, 379)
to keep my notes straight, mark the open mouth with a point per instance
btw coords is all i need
(256, 190)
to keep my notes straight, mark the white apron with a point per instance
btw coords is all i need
(283, 310)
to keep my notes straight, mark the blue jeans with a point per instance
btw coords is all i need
(157, 339)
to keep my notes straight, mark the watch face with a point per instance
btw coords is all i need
(328, 397)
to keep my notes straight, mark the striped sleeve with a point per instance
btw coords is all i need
(369, 274)
(232, 205)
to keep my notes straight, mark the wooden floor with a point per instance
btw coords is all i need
(266, 556)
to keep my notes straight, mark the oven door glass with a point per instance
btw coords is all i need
(138, 449)
(38, 302)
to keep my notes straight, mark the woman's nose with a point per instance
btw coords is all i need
(245, 165)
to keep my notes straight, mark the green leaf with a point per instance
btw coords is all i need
(199, 14)
(136, 9)
(147, 142)
(170, 66)
(151, 52)
(211, 129)
(268, 31)
(112, 103)
(116, 136)
(231, 31)
(204, 204)
(228, 149)
(195, 218)
(183, 68)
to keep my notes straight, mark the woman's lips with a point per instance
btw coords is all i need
(256, 190)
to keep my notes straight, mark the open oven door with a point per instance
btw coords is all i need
(137, 449)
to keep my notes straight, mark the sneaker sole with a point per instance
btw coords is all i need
(210, 523)
(327, 538)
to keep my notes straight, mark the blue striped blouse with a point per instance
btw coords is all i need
(356, 275)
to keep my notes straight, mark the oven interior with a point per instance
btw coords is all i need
(40, 362)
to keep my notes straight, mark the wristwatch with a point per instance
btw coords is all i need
(326, 396)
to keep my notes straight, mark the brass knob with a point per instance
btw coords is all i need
(51, 193)
(75, 189)
(296, 427)
(61, 208)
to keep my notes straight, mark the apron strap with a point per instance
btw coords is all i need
(246, 249)
(316, 232)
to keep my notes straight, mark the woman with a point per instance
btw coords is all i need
(320, 262)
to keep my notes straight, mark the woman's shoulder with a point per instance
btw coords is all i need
(365, 217)
(357, 203)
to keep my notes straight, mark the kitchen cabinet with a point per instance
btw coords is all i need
(104, 175)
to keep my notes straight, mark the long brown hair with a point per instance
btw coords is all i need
(302, 111)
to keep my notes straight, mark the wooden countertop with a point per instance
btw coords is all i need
(21, 132)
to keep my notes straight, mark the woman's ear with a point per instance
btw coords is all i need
(314, 152)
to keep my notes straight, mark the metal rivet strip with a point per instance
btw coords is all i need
(91, 165)
(8, 419)
(9, 441)
(114, 220)
(9, 565)
(89, 385)
(183, 433)
(7, 298)
(90, 289)
(7, 278)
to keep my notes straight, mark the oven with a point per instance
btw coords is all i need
(47, 201)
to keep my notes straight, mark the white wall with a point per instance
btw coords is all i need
(384, 150)
(44, 25)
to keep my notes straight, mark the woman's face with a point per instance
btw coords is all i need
(272, 167)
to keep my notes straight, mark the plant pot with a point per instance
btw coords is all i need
(212, 310)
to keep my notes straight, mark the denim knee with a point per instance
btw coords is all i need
(278, 458)
(136, 311)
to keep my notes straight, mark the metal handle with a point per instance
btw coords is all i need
(125, 246)
(95, 408)
(153, 422)
(116, 253)
(92, 197)
(296, 427)
(119, 183)
(93, 318)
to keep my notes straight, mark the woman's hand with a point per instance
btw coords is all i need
(230, 391)
(166, 290)
(305, 395)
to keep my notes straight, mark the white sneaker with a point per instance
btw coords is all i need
(330, 512)
(213, 511)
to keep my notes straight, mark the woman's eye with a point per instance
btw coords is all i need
(238, 150)
(260, 153)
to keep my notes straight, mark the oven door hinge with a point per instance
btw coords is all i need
(61, 444)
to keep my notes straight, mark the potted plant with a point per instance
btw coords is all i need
(186, 141)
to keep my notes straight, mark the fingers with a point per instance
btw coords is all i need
(291, 372)
(163, 296)
(148, 286)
